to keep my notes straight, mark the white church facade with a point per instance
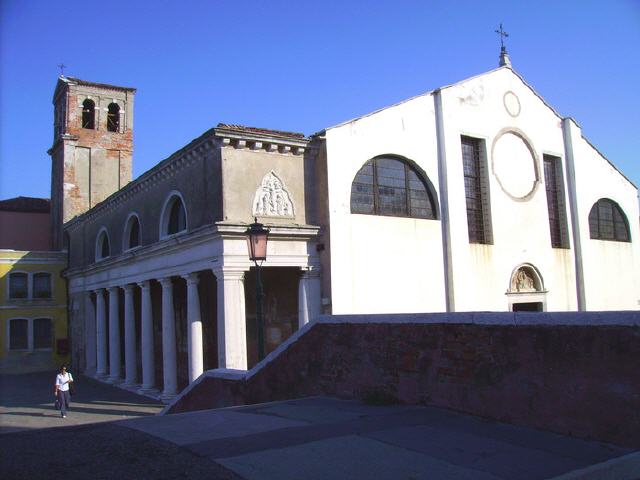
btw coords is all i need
(473, 197)
(515, 191)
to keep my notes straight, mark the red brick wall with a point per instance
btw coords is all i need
(578, 380)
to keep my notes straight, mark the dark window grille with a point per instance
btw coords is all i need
(177, 217)
(607, 221)
(473, 180)
(555, 201)
(18, 285)
(134, 233)
(89, 114)
(42, 333)
(389, 186)
(113, 117)
(18, 334)
(42, 285)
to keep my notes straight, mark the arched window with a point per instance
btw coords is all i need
(391, 186)
(113, 117)
(607, 221)
(42, 334)
(174, 215)
(177, 217)
(103, 249)
(132, 232)
(89, 114)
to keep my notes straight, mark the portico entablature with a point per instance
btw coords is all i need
(211, 247)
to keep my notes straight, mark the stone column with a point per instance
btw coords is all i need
(130, 361)
(114, 335)
(148, 360)
(194, 327)
(169, 365)
(101, 335)
(90, 335)
(232, 331)
(309, 302)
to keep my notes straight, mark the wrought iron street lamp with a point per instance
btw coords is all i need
(257, 237)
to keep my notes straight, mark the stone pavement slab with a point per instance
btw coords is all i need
(342, 439)
(350, 458)
(202, 426)
(27, 402)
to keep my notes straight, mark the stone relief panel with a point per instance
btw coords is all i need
(525, 279)
(272, 198)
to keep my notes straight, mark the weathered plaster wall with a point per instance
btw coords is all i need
(520, 227)
(383, 264)
(242, 173)
(196, 179)
(604, 261)
(570, 373)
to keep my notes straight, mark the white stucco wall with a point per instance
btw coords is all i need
(387, 264)
(611, 268)
(383, 264)
(481, 273)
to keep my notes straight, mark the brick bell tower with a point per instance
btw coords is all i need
(92, 152)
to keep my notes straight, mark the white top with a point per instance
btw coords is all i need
(62, 381)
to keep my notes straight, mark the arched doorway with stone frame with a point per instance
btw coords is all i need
(526, 291)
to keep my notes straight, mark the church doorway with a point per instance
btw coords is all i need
(280, 308)
(526, 292)
(527, 307)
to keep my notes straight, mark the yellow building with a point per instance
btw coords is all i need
(33, 311)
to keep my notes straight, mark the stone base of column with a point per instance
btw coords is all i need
(114, 380)
(149, 391)
(101, 376)
(167, 397)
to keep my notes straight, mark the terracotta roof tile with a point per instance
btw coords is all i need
(26, 204)
(264, 131)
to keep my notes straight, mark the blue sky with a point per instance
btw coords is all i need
(304, 66)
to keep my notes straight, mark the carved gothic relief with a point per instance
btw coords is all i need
(524, 281)
(272, 198)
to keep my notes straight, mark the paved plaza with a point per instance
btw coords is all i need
(114, 433)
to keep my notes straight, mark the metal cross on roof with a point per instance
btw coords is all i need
(503, 35)
(62, 66)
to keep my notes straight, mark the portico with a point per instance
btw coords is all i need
(155, 309)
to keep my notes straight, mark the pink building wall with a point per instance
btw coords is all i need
(25, 231)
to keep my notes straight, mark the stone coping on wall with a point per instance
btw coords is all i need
(546, 319)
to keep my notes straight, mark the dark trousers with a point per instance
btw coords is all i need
(64, 398)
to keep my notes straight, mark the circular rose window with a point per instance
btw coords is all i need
(514, 164)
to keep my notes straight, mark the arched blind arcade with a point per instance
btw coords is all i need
(391, 186)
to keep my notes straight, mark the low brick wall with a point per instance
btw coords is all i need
(579, 375)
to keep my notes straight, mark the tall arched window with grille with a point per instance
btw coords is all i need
(607, 221)
(89, 114)
(391, 186)
(113, 117)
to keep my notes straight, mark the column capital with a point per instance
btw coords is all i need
(99, 291)
(128, 288)
(165, 282)
(145, 284)
(192, 278)
(229, 273)
(113, 290)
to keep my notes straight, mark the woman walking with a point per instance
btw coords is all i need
(63, 382)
